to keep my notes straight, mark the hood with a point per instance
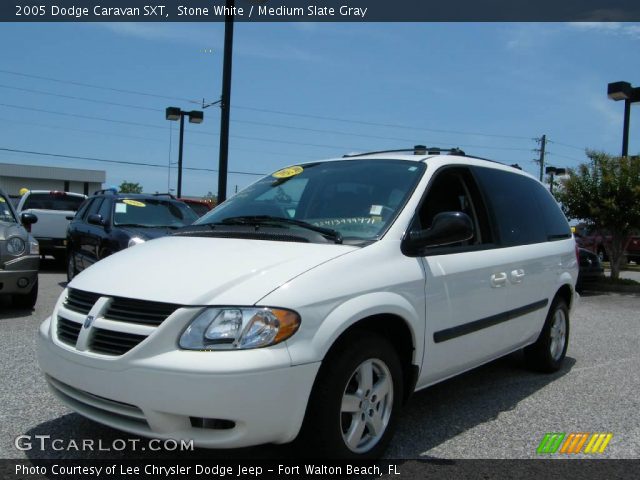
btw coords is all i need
(147, 233)
(204, 271)
(11, 229)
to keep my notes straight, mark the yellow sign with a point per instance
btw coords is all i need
(288, 172)
(133, 203)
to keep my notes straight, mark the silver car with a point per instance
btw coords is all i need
(19, 255)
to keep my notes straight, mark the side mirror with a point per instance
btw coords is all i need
(70, 217)
(95, 219)
(447, 228)
(28, 218)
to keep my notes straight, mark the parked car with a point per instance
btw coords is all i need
(599, 243)
(315, 301)
(201, 207)
(52, 209)
(19, 255)
(109, 222)
(591, 269)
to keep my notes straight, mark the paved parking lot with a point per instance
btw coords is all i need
(497, 411)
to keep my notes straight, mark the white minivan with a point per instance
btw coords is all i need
(313, 303)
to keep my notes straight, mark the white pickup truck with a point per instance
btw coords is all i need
(52, 209)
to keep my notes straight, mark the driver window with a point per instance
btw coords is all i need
(454, 190)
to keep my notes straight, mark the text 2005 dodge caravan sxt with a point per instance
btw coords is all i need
(315, 301)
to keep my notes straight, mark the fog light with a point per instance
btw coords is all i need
(23, 282)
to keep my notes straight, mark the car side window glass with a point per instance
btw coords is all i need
(513, 200)
(455, 190)
(555, 222)
(105, 209)
(83, 208)
(94, 207)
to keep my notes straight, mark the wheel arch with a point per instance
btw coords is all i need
(393, 328)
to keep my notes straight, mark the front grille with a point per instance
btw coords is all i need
(139, 311)
(80, 301)
(124, 310)
(110, 342)
(68, 331)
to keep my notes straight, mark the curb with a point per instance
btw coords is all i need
(607, 288)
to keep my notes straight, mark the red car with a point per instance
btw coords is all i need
(598, 243)
(199, 206)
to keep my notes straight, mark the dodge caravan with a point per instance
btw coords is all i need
(312, 304)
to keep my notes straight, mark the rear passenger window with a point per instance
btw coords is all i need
(514, 202)
(555, 222)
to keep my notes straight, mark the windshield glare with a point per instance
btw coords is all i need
(358, 198)
(152, 213)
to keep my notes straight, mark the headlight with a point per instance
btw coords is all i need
(135, 241)
(15, 246)
(234, 328)
(34, 247)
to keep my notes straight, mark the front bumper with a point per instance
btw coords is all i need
(168, 395)
(20, 268)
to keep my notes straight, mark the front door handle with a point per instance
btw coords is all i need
(498, 280)
(517, 276)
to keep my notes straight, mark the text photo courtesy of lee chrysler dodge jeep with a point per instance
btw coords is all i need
(311, 304)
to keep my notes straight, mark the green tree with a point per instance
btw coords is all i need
(605, 192)
(130, 187)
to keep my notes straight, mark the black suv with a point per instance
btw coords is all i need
(108, 222)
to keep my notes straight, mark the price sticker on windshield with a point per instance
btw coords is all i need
(288, 172)
(133, 203)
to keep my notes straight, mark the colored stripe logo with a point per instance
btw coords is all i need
(572, 443)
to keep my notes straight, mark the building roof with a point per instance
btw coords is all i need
(52, 173)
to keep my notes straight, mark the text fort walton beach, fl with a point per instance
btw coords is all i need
(186, 11)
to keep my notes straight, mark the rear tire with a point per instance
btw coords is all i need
(355, 402)
(28, 300)
(549, 351)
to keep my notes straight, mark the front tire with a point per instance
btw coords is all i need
(72, 271)
(549, 351)
(354, 406)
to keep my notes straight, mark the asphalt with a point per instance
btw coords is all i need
(500, 410)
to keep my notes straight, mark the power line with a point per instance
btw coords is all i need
(148, 139)
(99, 87)
(265, 110)
(253, 122)
(376, 124)
(122, 162)
(84, 99)
(582, 149)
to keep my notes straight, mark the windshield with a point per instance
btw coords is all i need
(357, 198)
(53, 201)
(152, 213)
(6, 214)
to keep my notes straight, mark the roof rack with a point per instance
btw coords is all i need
(159, 194)
(423, 150)
(112, 191)
(416, 150)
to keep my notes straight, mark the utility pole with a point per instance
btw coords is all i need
(543, 144)
(225, 102)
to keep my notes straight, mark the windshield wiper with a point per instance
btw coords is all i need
(266, 219)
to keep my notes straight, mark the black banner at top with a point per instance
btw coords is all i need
(320, 10)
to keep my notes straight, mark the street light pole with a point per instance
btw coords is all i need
(180, 156)
(624, 91)
(174, 114)
(625, 128)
